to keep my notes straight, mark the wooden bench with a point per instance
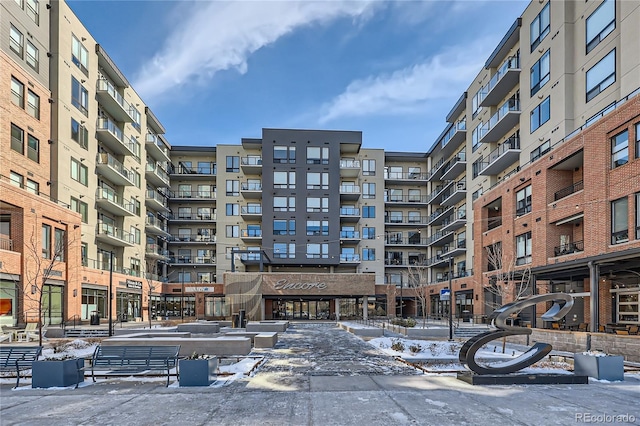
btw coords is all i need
(132, 360)
(18, 358)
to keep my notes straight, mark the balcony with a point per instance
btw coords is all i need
(455, 249)
(155, 226)
(192, 261)
(456, 220)
(251, 212)
(568, 248)
(346, 236)
(501, 157)
(349, 258)
(437, 261)
(155, 251)
(251, 190)
(410, 200)
(565, 192)
(350, 168)
(113, 236)
(251, 234)
(113, 170)
(453, 138)
(399, 220)
(192, 217)
(156, 175)
(455, 166)
(251, 165)
(435, 173)
(349, 214)
(502, 82)
(112, 202)
(402, 177)
(505, 119)
(191, 239)
(440, 238)
(112, 101)
(154, 201)
(192, 196)
(414, 240)
(201, 171)
(112, 137)
(454, 194)
(155, 148)
(6, 244)
(349, 192)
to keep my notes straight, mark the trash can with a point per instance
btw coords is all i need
(235, 320)
(94, 319)
(242, 322)
(466, 316)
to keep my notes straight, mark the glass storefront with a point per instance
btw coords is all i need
(8, 303)
(93, 300)
(128, 305)
(52, 297)
(301, 309)
(171, 306)
(628, 304)
(214, 306)
(439, 309)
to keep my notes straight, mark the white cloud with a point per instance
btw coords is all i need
(215, 36)
(409, 90)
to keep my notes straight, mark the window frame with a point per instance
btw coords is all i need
(46, 241)
(539, 151)
(33, 148)
(605, 82)
(81, 57)
(367, 168)
(370, 212)
(542, 80)
(620, 230)
(82, 134)
(81, 102)
(19, 141)
(537, 112)
(541, 32)
(607, 29)
(524, 201)
(33, 109)
(17, 98)
(618, 148)
(368, 193)
(81, 171)
(16, 46)
(525, 242)
(32, 59)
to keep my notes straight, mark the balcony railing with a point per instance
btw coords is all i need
(106, 86)
(251, 233)
(156, 249)
(111, 127)
(511, 105)
(200, 169)
(251, 161)
(251, 210)
(349, 164)
(405, 176)
(349, 189)
(115, 198)
(389, 198)
(349, 211)
(459, 126)
(251, 186)
(350, 258)
(156, 169)
(512, 63)
(564, 192)
(406, 219)
(574, 247)
(6, 244)
(350, 234)
(106, 229)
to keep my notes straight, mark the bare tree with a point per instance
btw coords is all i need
(417, 278)
(509, 281)
(151, 275)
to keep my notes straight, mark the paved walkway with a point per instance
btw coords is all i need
(321, 375)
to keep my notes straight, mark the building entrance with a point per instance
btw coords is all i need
(300, 309)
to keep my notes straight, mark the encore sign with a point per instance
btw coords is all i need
(286, 285)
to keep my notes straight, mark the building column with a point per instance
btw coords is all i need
(365, 306)
(262, 309)
(594, 296)
(337, 308)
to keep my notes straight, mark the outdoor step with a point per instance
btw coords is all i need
(79, 332)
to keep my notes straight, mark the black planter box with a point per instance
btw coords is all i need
(197, 372)
(55, 373)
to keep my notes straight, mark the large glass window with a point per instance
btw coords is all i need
(79, 172)
(619, 221)
(33, 104)
(33, 148)
(16, 179)
(601, 75)
(46, 242)
(232, 209)
(233, 164)
(317, 205)
(620, 149)
(80, 207)
(317, 180)
(317, 251)
(283, 204)
(638, 140)
(284, 251)
(17, 139)
(638, 216)
(233, 187)
(284, 180)
(540, 114)
(33, 11)
(540, 27)
(368, 167)
(17, 92)
(232, 231)
(317, 227)
(369, 254)
(369, 211)
(284, 154)
(79, 96)
(368, 233)
(601, 23)
(59, 244)
(523, 248)
(80, 134)
(33, 56)
(541, 150)
(523, 201)
(317, 155)
(540, 73)
(79, 55)
(16, 40)
(368, 190)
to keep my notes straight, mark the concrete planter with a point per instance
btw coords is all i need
(607, 367)
(56, 373)
(197, 372)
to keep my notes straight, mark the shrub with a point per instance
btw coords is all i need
(397, 346)
(414, 349)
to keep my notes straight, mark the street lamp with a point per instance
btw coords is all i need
(401, 300)
(182, 292)
(450, 300)
(110, 293)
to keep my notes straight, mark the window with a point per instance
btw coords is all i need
(79, 96)
(33, 148)
(284, 180)
(284, 251)
(17, 92)
(369, 254)
(283, 204)
(394, 172)
(475, 137)
(369, 190)
(33, 104)
(136, 206)
(601, 23)
(59, 243)
(233, 187)
(317, 205)
(317, 180)
(369, 211)
(135, 114)
(601, 75)
(33, 187)
(33, 11)
(540, 114)
(79, 55)
(317, 155)
(540, 27)
(84, 254)
(523, 249)
(284, 227)
(541, 150)
(284, 154)
(638, 216)
(184, 212)
(477, 98)
(620, 149)
(16, 179)
(15, 40)
(79, 172)
(233, 209)
(414, 196)
(46, 242)
(233, 164)
(184, 190)
(135, 234)
(204, 213)
(79, 133)
(369, 167)
(317, 251)
(368, 233)
(232, 231)
(619, 217)
(17, 139)
(523, 201)
(80, 207)
(33, 56)
(318, 227)
(638, 140)
(540, 72)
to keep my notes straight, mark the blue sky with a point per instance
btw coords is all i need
(214, 72)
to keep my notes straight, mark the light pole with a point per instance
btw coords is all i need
(450, 301)
(401, 300)
(182, 293)
(110, 293)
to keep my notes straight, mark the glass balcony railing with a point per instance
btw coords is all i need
(106, 86)
(108, 125)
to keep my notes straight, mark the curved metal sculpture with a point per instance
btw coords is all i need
(562, 304)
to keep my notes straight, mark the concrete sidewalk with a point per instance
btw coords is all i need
(322, 375)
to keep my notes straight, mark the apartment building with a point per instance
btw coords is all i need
(303, 206)
(559, 68)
